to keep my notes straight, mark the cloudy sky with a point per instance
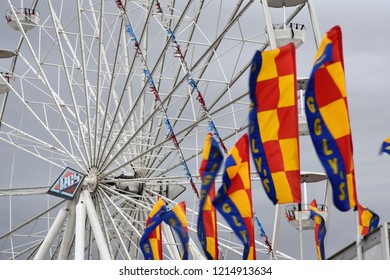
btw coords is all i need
(366, 56)
(366, 59)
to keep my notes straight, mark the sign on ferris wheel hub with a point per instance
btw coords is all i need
(67, 184)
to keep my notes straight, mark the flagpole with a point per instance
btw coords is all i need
(272, 43)
(300, 217)
(300, 229)
(359, 249)
(275, 233)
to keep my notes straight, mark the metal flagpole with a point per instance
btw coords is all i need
(300, 230)
(272, 42)
(359, 249)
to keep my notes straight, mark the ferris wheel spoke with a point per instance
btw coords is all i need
(32, 229)
(161, 107)
(84, 75)
(105, 222)
(46, 82)
(117, 135)
(90, 98)
(118, 233)
(130, 72)
(102, 65)
(111, 93)
(212, 46)
(138, 99)
(113, 170)
(162, 58)
(22, 250)
(68, 79)
(28, 105)
(234, 17)
(203, 69)
(24, 191)
(166, 25)
(17, 137)
(122, 148)
(123, 224)
(33, 219)
(98, 26)
(186, 132)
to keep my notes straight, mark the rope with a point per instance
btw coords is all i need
(263, 234)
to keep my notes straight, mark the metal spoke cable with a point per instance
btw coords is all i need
(152, 87)
(190, 78)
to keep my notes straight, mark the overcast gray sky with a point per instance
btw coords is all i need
(366, 59)
(366, 66)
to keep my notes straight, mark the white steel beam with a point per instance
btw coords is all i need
(80, 230)
(315, 24)
(171, 242)
(51, 235)
(95, 225)
(69, 232)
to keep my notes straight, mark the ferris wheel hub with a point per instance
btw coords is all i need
(91, 181)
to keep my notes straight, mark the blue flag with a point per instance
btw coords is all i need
(385, 146)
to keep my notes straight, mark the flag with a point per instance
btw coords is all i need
(368, 220)
(319, 229)
(386, 146)
(176, 218)
(234, 198)
(151, 240)
(273, 123)
(207, 220)
(328, 120)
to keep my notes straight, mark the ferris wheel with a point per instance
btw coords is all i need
(119, 95)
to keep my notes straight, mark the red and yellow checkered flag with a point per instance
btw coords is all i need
(328, 119)
(234, 198)
(273, 120)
